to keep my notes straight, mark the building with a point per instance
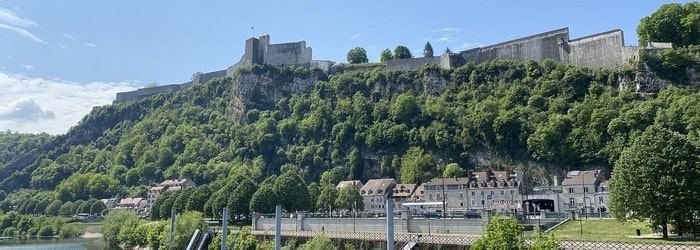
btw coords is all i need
(375, 192)
(356, 183)
(501, 191)
(167, 185)
(139, 206)
(585, 191)
(403, 193)
(454, 190)
(110, 203)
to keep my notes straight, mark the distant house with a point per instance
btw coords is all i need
(139, 206)
(167, 185)
(356, 183)
(110, 203)
(586, 191)
(403, 193)
(375, 192)
(496, 190)
(451, 191)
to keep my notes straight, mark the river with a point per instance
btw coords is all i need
(53, 244)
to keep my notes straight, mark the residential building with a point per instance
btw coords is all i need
(110, 203)
(139, 206)
(356, 183)
(403, 193)
(585, 191)
(501, 191)
(375, 192)
(167, 185)
(452, 192)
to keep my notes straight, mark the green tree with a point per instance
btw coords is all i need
(66, 208)
(97, 207)
(672, 22)
(453, 170)
(185, 225)
(655, 176)
(327, 197)
(357, 55)
(114, 223)
(53, 209)
(501, 233)
(349, 198)
(428, 50)
(319, 242)
(544, 242)
(385, 56)
(239, 200)
(415, 166)
(402, 52)
(292, 192)
(265, 198)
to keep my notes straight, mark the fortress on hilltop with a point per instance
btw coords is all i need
(602, 50)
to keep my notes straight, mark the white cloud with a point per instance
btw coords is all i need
(34, 105)
(11, 21)
(446, 38)
(27, 67)
(446, 29)
(10, 18)
(355, 36)
(25, 109)
(468, 45)
(68, 36)
(22, 32)
(90, 45)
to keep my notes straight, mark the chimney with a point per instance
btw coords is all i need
(556, 180)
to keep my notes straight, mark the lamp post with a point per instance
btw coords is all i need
(444, 199)
(583, 184)
(580, 222)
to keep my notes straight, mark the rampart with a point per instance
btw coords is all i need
(606, 50)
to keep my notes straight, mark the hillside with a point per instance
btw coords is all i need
(543, 118)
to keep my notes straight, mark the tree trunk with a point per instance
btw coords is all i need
(679, 226)
(664, 228)
(692, 225)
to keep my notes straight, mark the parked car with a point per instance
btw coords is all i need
(472, 215)
(430, 215)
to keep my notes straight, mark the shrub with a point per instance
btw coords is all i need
(46, 231)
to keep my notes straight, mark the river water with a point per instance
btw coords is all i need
(53, 244)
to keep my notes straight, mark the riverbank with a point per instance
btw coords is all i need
(92, 232)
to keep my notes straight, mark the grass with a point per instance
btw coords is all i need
(611, 230)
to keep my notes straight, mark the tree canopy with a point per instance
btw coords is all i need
(655, 176)
(428, 50)
(673, 22)
(357, 55)
(385, 56)
(402, 52)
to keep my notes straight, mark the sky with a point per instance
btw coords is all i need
(59, 59)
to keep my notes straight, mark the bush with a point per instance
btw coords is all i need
(46, 231)
(9, 232)
(70, 230)
(32, 231)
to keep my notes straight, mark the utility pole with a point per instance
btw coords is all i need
(444, 199)
(172, 227)
(583, 183)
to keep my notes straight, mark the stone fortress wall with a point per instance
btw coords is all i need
(606, 50)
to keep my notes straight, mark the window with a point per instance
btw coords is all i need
(473, 203)
(503, 192)
(483, 203)
(571, 190)
(512, 192)
(461, 204)
(585, 190)
(461, 195)
(572, 202)
(482, 193)
(491, 192)
(438, 196)
(600, 200)
(473, 193)
(431, 197)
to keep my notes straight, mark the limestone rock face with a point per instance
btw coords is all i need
(252, 91)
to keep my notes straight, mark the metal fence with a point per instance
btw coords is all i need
(595, 245)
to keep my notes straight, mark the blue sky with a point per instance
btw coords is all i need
(58, 59)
